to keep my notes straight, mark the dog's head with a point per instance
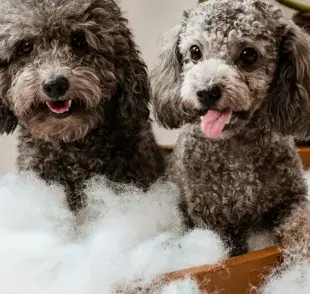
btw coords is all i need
(67, 66)
(225, 61)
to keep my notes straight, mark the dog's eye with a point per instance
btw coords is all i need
(78, 41)
(25, 47)
(195, 53)
(248, 56)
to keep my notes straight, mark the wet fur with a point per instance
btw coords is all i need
(112, 134)
(250, 180)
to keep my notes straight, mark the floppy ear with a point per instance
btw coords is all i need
(290, 89)
(131, 101)
(136, 89)
(166, 81)
(8, 121)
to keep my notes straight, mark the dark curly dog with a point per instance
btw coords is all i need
(237, 74)
(72, 78)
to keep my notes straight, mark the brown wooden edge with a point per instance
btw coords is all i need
(304, 153)
(238, 275)
(167, 147)
(234, 276)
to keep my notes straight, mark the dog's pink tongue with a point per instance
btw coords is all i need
(59, 107)
(213, 123)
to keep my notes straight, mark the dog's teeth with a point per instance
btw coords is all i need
(201, 118)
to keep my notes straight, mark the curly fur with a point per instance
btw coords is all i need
(250, 179)
(108, 132)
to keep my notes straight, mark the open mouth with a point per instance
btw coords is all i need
(213, 122)
(59, 107)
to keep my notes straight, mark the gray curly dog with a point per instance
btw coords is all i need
(237, 75)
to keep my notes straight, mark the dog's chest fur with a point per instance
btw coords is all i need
(121, 156)
(237, 185)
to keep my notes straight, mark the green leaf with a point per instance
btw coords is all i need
(295, 5)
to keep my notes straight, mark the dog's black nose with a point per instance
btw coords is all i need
(56, 88)
(209, 97)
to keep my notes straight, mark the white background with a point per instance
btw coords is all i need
(148, 19)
